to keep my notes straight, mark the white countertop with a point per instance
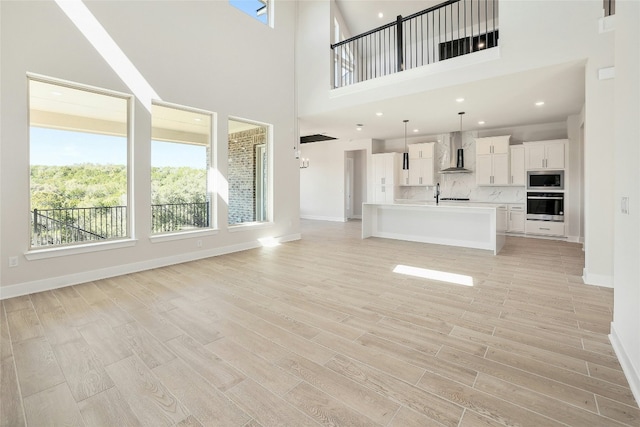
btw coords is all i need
(454, 202)
(446, 203)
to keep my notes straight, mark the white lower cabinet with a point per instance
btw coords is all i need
(501, 220)
(516, 218)
(544, 228)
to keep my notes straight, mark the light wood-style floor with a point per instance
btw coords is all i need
(322, 332)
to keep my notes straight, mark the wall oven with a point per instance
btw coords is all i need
(545, 180)
(545, 206)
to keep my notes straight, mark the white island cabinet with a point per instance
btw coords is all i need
(469, 226)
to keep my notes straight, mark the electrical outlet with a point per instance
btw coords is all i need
(13, 261)
(199, 243)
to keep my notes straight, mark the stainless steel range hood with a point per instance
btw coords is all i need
(456, 153)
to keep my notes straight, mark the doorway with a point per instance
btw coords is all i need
(355, 189)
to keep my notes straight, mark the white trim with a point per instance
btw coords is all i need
(323, 218)
(604, 280)
(180, 235)
(249, 226)
(78, 249)
(103, 273)
(573, 239)
(632, 374)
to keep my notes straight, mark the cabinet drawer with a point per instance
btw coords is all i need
(545, 228)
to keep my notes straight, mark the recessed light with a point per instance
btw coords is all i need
(459, 99)
(416, 130)
(56, 93)
(380, 15)
(481, 122)
(539, 103)
(378, 114)
(198, 119)
(359, 126)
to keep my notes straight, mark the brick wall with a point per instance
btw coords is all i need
(242, 172)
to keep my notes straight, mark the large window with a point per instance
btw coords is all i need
(258, 9)
(180, 159)
(248, 172)
(78, 145)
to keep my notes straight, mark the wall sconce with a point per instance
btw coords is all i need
(304, 163)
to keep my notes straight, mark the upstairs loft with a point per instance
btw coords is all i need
(441, 32)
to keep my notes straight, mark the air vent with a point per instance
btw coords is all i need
(315, 138)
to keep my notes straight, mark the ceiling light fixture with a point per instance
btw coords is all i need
(378, 114)
(359, 127)
(54, 93)
(459, 99)
(481, 122)
(380, 15)
(415, 130)
(405, 155)
(539, 103)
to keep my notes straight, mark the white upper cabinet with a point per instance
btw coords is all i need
(545, 154)
(421, 164)
(518, 171)
(424, 150)
(492, 161)
(493, 145)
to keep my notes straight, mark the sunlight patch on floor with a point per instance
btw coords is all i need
(442, 276)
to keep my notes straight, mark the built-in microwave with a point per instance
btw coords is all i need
(545, 180)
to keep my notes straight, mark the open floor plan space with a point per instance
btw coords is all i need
(328, 330)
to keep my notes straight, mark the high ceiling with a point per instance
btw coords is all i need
(500, 102)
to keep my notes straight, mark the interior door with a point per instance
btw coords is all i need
(349, 187)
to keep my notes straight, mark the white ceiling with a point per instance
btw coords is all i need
(500, 102)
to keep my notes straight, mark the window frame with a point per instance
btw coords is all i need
(48, 251)
(212, 191)
(269, 186)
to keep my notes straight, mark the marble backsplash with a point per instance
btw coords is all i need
(462, 185)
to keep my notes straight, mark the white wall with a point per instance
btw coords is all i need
(322, 183)
(625, 329)
(189, 54)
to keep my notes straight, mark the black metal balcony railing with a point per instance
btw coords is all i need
(450, 29)
(179, 216)
(70, 225)
(62, 226)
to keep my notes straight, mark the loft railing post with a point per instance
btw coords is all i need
(399, 44)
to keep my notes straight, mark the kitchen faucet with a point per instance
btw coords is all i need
(437, 195)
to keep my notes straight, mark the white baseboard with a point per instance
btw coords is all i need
(573, 239)
(630, 371)
(104, 273)
(323, 218)
(597, 279)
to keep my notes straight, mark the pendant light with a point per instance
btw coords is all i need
(459, 155)
(405, 155)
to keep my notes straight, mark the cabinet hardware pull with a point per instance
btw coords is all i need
(542, 228)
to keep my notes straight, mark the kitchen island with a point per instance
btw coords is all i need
(466, 225)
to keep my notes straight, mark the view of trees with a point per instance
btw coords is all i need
(91, 185)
